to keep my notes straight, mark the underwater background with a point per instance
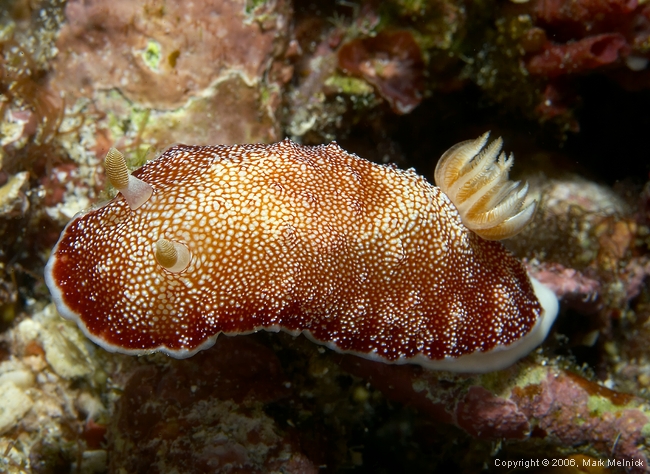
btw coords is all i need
(565, 83)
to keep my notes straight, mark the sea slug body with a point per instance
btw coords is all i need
(363, 258)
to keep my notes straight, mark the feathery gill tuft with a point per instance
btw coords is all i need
(475, 178)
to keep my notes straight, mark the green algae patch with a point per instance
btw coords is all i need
(151, 55)
(252, 5)
(349, 85)
(645, 431)
(598, 405)
(531, 376)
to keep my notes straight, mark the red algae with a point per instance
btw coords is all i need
(485, 415)
(392, 62)
(583, 15)
(556, 407)
(576, 57)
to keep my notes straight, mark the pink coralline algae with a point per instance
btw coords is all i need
(572, 287)
(580, 37)
(156, 72)
(161, 53)
(578, 56)
(583, 15)
(392, 62)
(588, 35)
(557, 407)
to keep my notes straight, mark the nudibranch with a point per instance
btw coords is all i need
(363, 258)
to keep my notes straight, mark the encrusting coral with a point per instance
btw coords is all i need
(363, 258)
